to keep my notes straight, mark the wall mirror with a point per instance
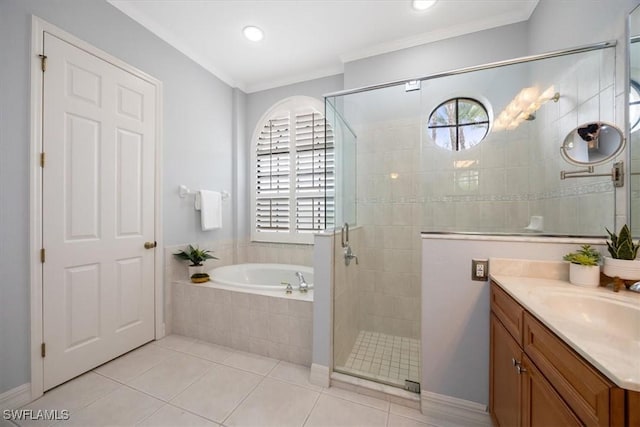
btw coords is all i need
(592, 144)
(634, 116)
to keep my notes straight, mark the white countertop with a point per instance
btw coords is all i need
(599, 324)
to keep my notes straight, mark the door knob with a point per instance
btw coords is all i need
(150, 245)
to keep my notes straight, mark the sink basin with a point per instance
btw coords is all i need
(598, 313)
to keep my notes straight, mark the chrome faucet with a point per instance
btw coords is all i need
(303, 286)
(349, 255)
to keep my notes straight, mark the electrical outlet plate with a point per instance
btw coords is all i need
(480, 270)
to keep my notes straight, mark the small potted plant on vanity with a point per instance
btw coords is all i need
(622, 263)
(196, 256)
(584, 269)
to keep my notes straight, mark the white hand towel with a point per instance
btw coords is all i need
(210, 209)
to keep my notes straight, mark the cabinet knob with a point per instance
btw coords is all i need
(520, 369)
(514, 361)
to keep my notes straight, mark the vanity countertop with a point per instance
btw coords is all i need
(599, 324)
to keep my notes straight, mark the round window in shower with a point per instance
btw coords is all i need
(634, 106)
(458, 124)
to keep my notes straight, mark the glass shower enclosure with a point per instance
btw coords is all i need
(396, 178)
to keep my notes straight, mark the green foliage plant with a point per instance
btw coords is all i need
(621, 246)
(194, 255)
(586, 255)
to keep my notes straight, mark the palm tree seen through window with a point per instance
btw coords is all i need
(459, 123)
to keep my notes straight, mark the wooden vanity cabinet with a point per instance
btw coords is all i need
(538, 380)
(505, 399)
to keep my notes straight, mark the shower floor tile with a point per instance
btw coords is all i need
(386, 358)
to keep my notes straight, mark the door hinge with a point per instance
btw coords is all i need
(41, 160)
(43, 349)
(42, 255)
(43, 62)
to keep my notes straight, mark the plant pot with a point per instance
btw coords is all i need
(626, 269)
(584, 275)
(200, 278)
(195, 269)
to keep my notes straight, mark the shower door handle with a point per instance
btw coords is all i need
(344, 235)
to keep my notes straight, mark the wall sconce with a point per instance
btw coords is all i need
(524, 106)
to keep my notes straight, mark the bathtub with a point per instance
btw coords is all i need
(262, 279)
(245, 307)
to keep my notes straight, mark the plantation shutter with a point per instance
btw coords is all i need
(295, 179)
(314, 179)
(273, 176)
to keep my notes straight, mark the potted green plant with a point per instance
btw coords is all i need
(584, 269)
(622, 263)
(196, 257)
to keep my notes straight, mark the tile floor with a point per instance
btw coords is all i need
(179, 381)
(383, 357)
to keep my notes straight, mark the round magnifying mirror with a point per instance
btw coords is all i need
(592, 144)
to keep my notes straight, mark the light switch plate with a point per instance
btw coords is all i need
(480, 270)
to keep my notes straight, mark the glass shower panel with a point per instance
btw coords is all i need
(404, 169)
(377, 300)
(345, 161)
(510, 181)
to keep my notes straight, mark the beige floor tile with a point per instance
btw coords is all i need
(398, 421)
(251, 362)
(213, 352)
(167, 379)
(218, 392)
(274, 403)
(406, 412)
(352, 396)
(170, 416)
(72, 396)
(176, 342)
(295, 374)
(123, 407)
(136, 362)
(333, 411)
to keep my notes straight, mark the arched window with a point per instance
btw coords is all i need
(293, 173)
(459, 123)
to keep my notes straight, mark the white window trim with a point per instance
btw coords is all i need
(288, 104)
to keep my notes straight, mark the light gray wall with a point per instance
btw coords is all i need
(197, 149)
(257, 103)
(492, 45)
(563, 24)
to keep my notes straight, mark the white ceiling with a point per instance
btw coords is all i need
(306, 39)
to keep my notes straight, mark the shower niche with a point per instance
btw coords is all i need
(470, 151)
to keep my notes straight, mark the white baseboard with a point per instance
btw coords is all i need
(447, 411)
(16, 397)
(320, 375)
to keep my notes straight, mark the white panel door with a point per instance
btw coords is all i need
(98, 211)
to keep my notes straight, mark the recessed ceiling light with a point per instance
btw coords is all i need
(252, 33)
(421, 5)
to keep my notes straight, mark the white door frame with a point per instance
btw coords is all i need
(38, 27)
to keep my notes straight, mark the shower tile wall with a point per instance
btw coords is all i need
(388, 162)
(587, 94)
(347, 298)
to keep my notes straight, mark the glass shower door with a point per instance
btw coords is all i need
(377, 300)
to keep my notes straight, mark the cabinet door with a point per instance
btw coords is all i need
(542, 405)
(505, 382)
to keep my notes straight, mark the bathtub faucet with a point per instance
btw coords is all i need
(304, 287)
